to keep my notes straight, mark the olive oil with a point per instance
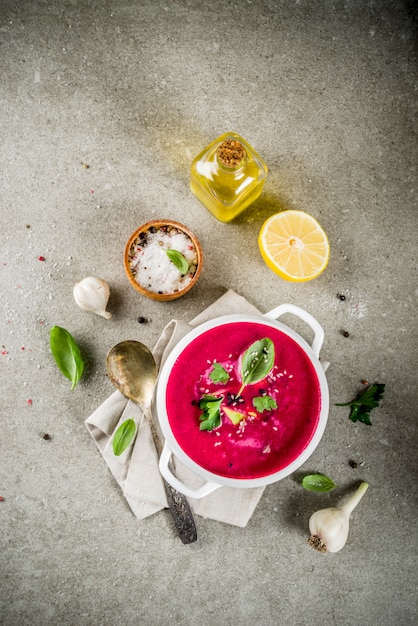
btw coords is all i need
(227, 176)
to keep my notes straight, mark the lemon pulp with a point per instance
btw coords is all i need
(294, 246)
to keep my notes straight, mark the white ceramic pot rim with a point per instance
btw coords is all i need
(171, 446)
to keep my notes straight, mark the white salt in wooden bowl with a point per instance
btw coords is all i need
(148, 267)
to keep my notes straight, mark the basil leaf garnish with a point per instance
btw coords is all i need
(179, 260)
(318, 482)
(257, 362)
(123, 436)
(66, 354)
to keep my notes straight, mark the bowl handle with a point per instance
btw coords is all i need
(203, 491)
(304, 316)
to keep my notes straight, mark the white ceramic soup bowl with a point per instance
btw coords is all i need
(172, 446)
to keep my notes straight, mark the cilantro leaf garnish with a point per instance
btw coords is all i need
(364, 403)
(218, 374)
(264, 403)
(211, 416)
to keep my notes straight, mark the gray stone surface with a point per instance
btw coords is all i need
(326, 93)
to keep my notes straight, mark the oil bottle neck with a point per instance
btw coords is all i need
(231, 156)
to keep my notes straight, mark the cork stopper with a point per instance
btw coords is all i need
(231, 153)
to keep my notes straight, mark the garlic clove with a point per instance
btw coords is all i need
(92, 294)
(329, 527)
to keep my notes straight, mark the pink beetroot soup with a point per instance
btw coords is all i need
(263, 442)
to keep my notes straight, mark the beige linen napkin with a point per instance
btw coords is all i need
(136, 470)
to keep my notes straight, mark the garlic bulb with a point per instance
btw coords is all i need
(329, 527)
(92, 294)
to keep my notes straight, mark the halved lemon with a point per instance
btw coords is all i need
(294, 245)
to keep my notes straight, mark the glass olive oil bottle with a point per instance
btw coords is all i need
(227, 176)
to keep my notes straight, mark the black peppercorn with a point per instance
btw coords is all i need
(345, 333)
(341, 296)
(142, 320)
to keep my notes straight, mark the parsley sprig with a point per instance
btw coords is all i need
(264, 403)
(218, 373)
(211, 416)
(364, 403)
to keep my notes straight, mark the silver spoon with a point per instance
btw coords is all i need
(131, 368)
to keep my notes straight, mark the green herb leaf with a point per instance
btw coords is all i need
(211, 416)
(364, 403)
(66, 354)
(179, 260)
(218, 374)
(257, 362)
(123, 436)
(264, 403)
(318, 482)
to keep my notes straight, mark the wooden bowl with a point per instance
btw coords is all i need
(156, 285)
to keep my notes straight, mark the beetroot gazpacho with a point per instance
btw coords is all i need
(243, 400)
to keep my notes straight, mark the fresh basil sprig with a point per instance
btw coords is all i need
(66, 354)
(318, 482)
(257, 362)
(179, 260)
(123, 436)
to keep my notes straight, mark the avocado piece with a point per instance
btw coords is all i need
(234, 416)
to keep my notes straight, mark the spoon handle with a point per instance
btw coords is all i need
(177, 502)
(181, 513)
